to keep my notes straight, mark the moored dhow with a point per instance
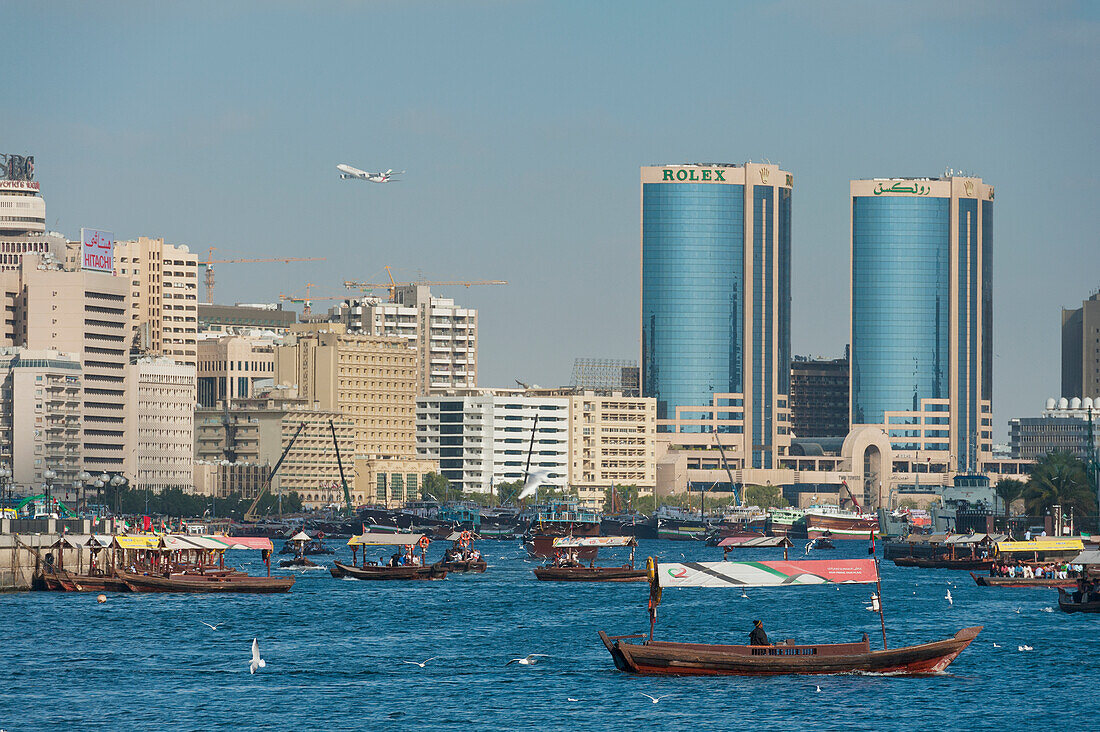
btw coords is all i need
(787, 522)
(838, 523)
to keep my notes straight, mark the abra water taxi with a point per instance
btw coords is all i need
(566, 567)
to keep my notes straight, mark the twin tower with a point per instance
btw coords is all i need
(716, 309)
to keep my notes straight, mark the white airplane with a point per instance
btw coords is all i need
(347, 171)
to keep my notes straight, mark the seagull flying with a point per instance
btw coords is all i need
(948, 598)
(423, 663)
(212, 627)
(530, 660)
(256, 661)
(654, 699)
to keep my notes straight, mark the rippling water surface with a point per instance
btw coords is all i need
(335, 652)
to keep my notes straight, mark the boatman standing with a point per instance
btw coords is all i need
(758, 637)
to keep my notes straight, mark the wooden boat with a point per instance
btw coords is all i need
(985, 581)
(698, 659)
(297, 563)
(560, 518)
(404, 572)
(70, 582)
(1067, 604)
(568, 569)
(701, 659)
(459, 547)
(945, 562)
(405, 544)
(205, 583)
(625, 573)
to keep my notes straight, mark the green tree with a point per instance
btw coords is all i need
(508, 492)
(438, 487)
(765, 496)
(1059, 478)
(1008, 490)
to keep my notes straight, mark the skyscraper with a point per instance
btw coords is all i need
(1081, 349)
(716, 243)
(922, 313)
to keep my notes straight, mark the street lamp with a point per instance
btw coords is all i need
(49, 475)
(117, 482)
(83, 478)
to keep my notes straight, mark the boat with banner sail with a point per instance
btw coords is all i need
(651, 657)
(461, 556)
(567, 567)
(185, 563)
(404, 564)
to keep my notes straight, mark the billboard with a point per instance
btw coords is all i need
(97, 250)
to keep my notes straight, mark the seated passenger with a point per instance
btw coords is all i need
(758, 637)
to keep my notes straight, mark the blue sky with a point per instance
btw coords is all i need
(522, 126)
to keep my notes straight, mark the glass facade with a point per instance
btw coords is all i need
(900, 303)
(969, 355)
(763, 332)
(692, 293)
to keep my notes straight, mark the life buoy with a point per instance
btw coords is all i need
(464, 538)
(424, 542)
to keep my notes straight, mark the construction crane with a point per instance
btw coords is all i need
(210, 262)
(392, 286)
(250, 514)
(308, 299)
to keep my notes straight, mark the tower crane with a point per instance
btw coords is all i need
(210, 262)
(308, 299)
(392, 286)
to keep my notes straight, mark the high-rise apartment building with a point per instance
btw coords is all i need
(612, 443)
(1063, 426)
(231, 367)
(715, 305)
(369, 379)
(23, 215)
(40, 417)
(1081, 349)
(819, 397)
(78, 312)
(482, 437)
(161, 421)
(443, 334)
(922, 314)
(164, 295)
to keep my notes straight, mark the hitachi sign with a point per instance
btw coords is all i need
(701, 176)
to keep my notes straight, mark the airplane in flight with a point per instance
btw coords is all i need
(347, 171)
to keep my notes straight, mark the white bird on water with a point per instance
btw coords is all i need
(654, 699)
(743, 594)
(423, 663)
(530, 660)
(948, 598)
(1025, 648)
(817, 688)
(212, 627)
(256, 661)
(996, 646)
(569, 698)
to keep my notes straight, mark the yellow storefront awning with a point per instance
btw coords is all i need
(1040, 545)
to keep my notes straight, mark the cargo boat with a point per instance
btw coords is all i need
(841, 524)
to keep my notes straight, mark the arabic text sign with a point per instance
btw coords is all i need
(767, 574)
(910, 188)
(97, 250)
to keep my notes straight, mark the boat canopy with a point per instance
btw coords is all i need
(749, 542)
(968, 539)
(576, 542)
(143, 541)
(189, 542)
(456, 535)
(1040, 545)
(74, 541)
(100, 541)
(300, 536)
(244, 542)
(1089, 556)
(206, 542)
(767, 574)
(384, 539)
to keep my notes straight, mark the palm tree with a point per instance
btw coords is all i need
(1059, 478)
(1008, 490)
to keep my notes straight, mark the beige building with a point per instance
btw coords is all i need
(40, 417)
(230, 367)
(161, 422)
(443, 334)
(369, 379)
(391, 483)
(164, 295)
(220, 479)
(256, 431)
(612, 442)
(85, 313)
(1081, 350)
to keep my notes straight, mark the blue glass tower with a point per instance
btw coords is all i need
(922, 313)
(716, 298)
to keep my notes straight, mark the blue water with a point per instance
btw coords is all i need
(334, 652)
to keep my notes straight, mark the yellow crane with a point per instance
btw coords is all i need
(210, 262)
(309, 298)
(392, 286)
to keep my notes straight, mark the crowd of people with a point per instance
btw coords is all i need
(462, 554)
(1048, 570)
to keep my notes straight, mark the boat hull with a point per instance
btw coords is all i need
(1067, 605)
(221, 584)
(983, 581)
(477, 567)
(590, 574)
(691, 659)
(63, 581)
(407, 572)
(839, 527)
(930, 563)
